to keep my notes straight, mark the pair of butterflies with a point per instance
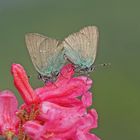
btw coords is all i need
(49, 55)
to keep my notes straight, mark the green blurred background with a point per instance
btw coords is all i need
(116, 89)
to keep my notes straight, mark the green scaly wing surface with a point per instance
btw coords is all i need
(81, 47)
(52, 56)
(46, 53)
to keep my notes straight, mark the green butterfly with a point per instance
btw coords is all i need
(47, 55)
(80, 48)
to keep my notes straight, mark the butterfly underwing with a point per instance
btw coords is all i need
(80, 48)
(47, 55)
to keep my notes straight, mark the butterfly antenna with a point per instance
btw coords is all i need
(100, 66)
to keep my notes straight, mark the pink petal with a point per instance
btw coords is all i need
(34, 130)
(74, 88)
(94, 115)
(66, 102)
(65, 74)
(57, 138)
(22, 84)
(59, 118)
(8, 108)
(89, 121)
(87, 99)
(87, 81)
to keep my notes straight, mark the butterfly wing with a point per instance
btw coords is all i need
(42, 51)
(52, 56)
(33, 41)
(81, 47)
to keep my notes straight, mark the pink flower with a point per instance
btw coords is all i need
(58, 110)
(62, 108)
(8, 118)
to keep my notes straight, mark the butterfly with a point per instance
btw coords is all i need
(80, 48)
(47, 55)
